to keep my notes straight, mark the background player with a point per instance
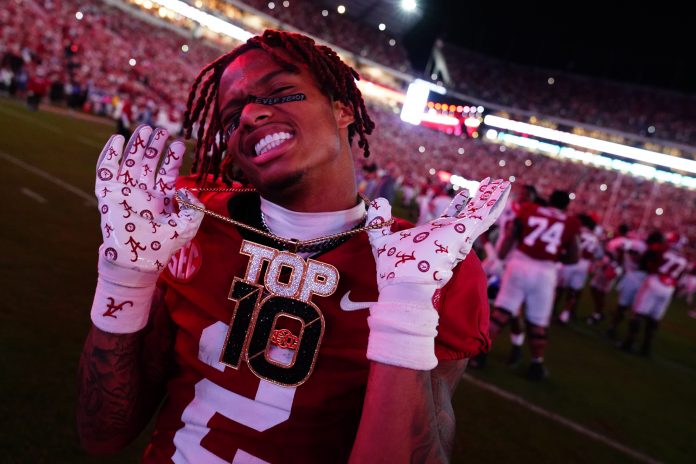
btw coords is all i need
(572, 277)
(665, 263)
(627, 252)
(541, 236)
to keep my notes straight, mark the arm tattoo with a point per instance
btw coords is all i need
(445, 378)
(121, 382)
(419, 414)
(108, 385)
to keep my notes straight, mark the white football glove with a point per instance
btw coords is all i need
(412, 264)
(140, 227)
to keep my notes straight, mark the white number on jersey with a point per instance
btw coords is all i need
(270, 407)
(673, 265)
(551, 236)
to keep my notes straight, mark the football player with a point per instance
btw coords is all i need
(627, 251)
(285, 319)
(572, 277)
(541, 236)
(665, 263)
(494, 266)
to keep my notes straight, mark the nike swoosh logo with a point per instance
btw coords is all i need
(348, 305)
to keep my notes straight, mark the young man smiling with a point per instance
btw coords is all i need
(282, 320)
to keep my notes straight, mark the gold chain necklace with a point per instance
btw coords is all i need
(292, 244)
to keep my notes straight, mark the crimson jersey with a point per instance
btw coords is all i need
(215, 413)
(545, 231)
(590, 248)
(668, 264)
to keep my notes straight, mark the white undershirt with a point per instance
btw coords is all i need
(304, 226)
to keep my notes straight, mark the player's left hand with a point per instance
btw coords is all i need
(412, 264)
(426, 254)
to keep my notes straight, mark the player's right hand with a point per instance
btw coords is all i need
(135, 192)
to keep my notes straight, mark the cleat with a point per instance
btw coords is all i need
(537, 371)
(515, 356)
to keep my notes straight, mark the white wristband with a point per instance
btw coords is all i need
(119, 309)
(403, 335)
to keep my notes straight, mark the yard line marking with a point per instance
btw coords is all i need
(33, 195)
(89, 199)
(88, 142)
(31, 120)
(559, 419)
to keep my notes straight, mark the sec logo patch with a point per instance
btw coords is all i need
(185, 263)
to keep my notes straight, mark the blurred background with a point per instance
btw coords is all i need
(595, 99)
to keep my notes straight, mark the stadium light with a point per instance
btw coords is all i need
(416, 100)
(408, 5)
(637, 154)
(341, 9)
(441, 119)
(470, 185)
(213, 23)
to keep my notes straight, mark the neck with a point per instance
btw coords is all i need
(314, 199)
(332, 188)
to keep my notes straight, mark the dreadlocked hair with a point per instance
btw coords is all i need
(336, 79)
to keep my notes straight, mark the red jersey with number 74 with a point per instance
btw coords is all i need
(546, 231)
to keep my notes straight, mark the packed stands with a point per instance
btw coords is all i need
(636, 110)
(339, 30)
(83, 62)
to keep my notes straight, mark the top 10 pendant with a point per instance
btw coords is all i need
(259, 323)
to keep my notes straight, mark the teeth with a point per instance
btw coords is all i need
(271, 141)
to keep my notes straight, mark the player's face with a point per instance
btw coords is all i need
(284, 146)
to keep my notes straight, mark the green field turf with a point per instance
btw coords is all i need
(48, 272)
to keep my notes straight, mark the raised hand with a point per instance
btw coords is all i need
(412, 264)
(426, 254)
(135, 190)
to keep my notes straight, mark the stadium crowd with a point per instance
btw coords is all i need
(334, 28)
(643, 111)
(96, 58)
(83, 62)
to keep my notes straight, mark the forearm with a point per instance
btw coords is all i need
(111, 391)
(401, 421)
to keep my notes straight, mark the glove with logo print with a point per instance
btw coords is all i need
(140, 227)
(412, 264)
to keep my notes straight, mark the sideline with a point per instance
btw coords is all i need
(89, 199)
(33, 195)
(559, 419)
(25, 117)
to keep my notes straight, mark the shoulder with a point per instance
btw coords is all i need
(214, 194)
(401, 224)
(527, 208)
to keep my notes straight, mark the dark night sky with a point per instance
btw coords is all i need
(636, 44)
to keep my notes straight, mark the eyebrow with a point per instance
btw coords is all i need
(263, 81)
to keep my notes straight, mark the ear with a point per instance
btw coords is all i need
(343, 113)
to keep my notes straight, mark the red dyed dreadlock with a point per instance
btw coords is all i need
(336, 78)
